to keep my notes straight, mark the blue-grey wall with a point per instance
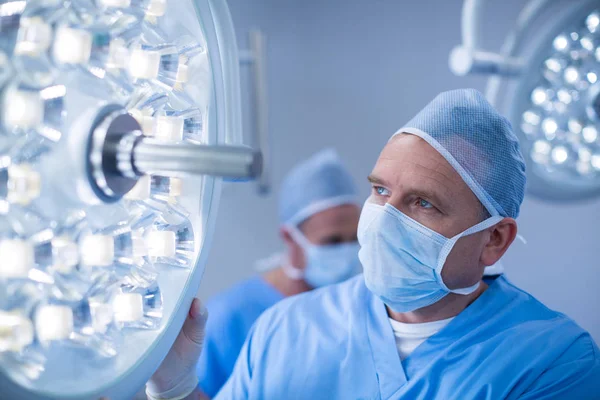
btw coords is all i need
(348, 73)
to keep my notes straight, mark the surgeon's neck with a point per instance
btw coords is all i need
(448, 307)
(284, 284)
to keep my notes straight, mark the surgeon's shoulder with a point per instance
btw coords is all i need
(331, 303)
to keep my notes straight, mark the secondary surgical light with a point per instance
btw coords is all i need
(118, 119)
(545, 79)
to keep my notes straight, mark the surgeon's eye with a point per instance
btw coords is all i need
(381, 191)
(424, 204)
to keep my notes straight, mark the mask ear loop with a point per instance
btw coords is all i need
(289, 270)
(448, 248)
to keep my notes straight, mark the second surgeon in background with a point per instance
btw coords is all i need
(318, 215)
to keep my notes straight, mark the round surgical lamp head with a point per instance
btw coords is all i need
(118, 119)
(551, 96)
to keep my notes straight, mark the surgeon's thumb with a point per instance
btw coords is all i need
(195, 323)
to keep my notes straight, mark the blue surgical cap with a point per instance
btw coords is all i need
(315, 185)
(479, 143)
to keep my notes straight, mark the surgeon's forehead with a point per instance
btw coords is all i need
(410, 162)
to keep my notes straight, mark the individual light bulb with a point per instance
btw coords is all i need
(53, 322)
(532, 117)
(540, 151)
(590, 134)
(559, 154)
(117, 54)
(128, 307)
(571, 75)
(564, 96)
(24, 184)
(161, 243)
(65, 254)
(587, 43)
(592, 77)
(115, 3)
(175, 187)
(592, 21)
(596, 162)
(16, 331)
(146, 121)
(97, 250)
(17, 258)
(182, 74)
(141, 190)
(34, 36)
(561, 43)
(102, 316)
(22, 109)
(72, 46)
(575, 126)
(539, 96)
(156, 8)
(168, 128)
(549, 126)
(144, 64)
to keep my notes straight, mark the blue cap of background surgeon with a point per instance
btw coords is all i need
(479, 143)
(315, 185)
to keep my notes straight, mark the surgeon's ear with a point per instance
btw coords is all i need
(501, 237)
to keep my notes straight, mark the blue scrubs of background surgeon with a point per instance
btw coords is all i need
(318, 216)
(420, 323)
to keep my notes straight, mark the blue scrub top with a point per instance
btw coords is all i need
(337, 343)
(231, 315)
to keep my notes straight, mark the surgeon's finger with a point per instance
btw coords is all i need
(193, 327)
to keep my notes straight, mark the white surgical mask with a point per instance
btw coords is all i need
(403, 259)
(325, 265)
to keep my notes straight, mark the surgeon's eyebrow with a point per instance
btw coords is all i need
(377, 181)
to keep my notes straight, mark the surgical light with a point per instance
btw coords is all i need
(545, 79)
(118, 121)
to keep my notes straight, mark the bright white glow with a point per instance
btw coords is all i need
(549, 126)
(592, 22)
(146, 121)
(587, 43)
(157, 8)
(128, 307)
(97, 250)
(541, 150)
(590, 134)
(23, 109)
(596, 162)
(575, 126)
(169, 128)
(12, 8)
(65, 254)
(561, 43)
(98, 72)
(116, 3)
(559, 154)
(161, 243)
(53, 322)
(17, 258)
(117, 54)
(597, 53)
(144, 64)
(24, 184)
(175, 187)
(585, 155)
(564, 96)
(553, 65)
(531, 117)
(34, 36)
(53, 92)
(72, 46)
(16, 331)
(571, 75)
(141, 190)
(539, 96)
(592, 77)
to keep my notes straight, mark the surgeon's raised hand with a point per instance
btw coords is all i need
(176, 377)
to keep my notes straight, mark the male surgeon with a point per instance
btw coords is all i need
(446, 193)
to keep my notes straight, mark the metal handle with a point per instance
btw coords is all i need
(235, 162)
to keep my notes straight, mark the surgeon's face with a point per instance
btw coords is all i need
(333, 226)
(413, 177)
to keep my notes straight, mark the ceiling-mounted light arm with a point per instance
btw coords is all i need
(469, 57)
(255, 57)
